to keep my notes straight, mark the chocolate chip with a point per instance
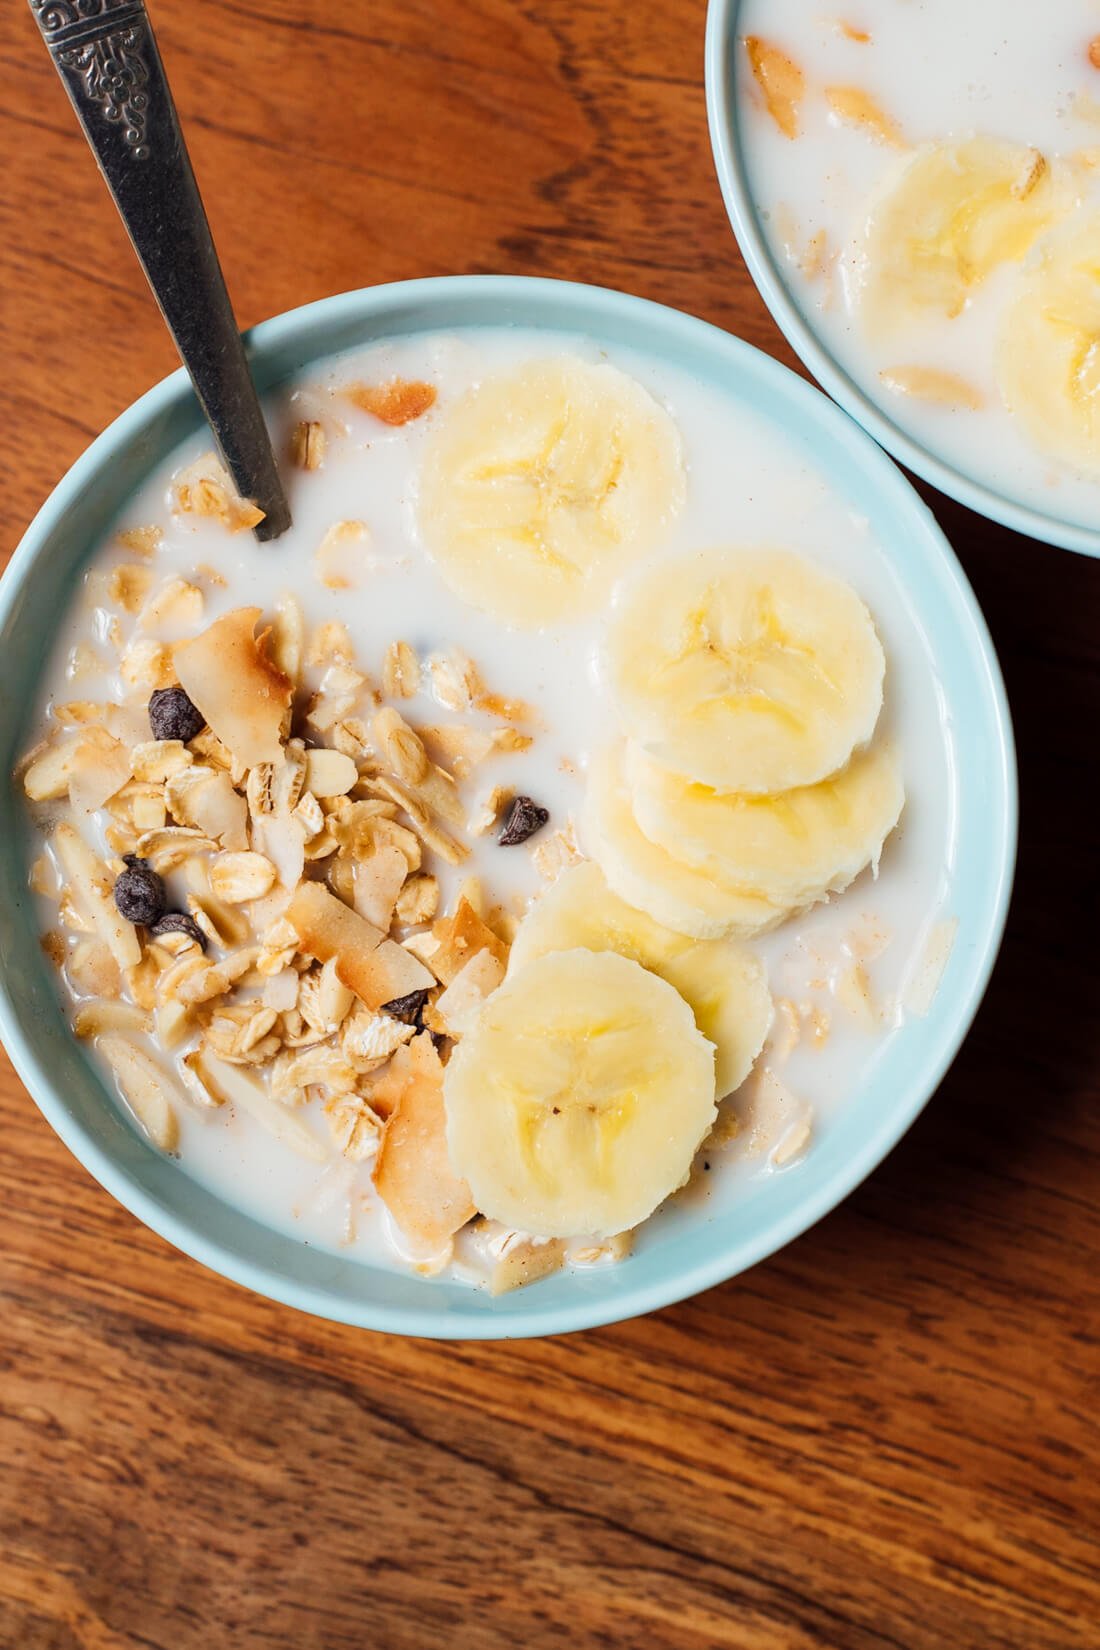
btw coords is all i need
(525, 817)
(173, 716)
(406, 1009)
(178, 922)
(139, 893)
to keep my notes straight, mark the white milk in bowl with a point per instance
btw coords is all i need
(928, 178)
(453, 880)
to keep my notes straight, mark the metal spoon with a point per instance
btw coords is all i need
(107, 57)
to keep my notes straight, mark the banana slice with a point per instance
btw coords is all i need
(724, 983)
(745, 670)
(952, 215)
(576, 1103)
(793, 847)
(1049, 350)
(649, 878)
(540, 484)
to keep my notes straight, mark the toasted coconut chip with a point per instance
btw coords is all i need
(401, 672)
(242, 695)
(520, 1260)
(326, 927)
(418, 900)
(858, 108)
(229, 1083)
(140, 541)
(378, 880)
(342, 555)
(355, 1129)
(780, 80)
(176, 606)
(92, 883)
(413, 1174)
(146, 1089)
(93, 1019)
(461, 937)
(455, 1009)
(422, 946)
(128, 586)
(329, 773)
(398, 402)
(93, 970)
(237, 878)
(204, 489)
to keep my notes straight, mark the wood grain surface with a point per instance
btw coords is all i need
(883, 1439)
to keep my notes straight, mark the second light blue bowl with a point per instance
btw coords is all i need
(722, 57)
(688, 1250)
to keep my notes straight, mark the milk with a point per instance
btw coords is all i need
(1005, 69)
(746, 485)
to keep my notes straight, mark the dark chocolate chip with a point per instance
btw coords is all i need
(406, 1009)
(139, 893)
(172, 715)
(178, 922)
(525, 817)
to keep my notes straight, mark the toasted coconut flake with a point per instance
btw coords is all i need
(780, 80)
(128, 586)
(204, 489)
(242, 695)
(326, 928)
(461, 937)
(307, 444)
(342, 555)
(418, 900)
(858, 108)
(329, 773)
(140, 541)
(455, 1009)
(94, 887)
(230, 1083)
(398, 402)
(935, 384)
(237, 878)
(377, 883)
(145, 1088)
(401, 672)
(413, 1173)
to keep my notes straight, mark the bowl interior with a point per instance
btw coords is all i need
(729, 147)
(693, 1248)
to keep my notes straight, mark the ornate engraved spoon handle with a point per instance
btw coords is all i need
(107, 57)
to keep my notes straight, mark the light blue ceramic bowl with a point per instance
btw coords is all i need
(692, 1250)
(771, 282)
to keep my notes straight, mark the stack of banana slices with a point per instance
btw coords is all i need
(952, 216)
(749, 786)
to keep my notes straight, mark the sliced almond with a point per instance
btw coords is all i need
(93, 970)
(780, 80)
(236, 878)
(413, 1173)
(236, 687)
(455, 1009)
(93, 1019)
(329, 773)
(174, 1022)
(145, 1088)
(934, 384)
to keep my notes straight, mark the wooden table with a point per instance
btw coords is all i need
(881, 1439)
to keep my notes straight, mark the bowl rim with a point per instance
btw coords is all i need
(769, 280)
(721, 1263)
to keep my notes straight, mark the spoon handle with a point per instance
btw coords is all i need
(107, 57)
